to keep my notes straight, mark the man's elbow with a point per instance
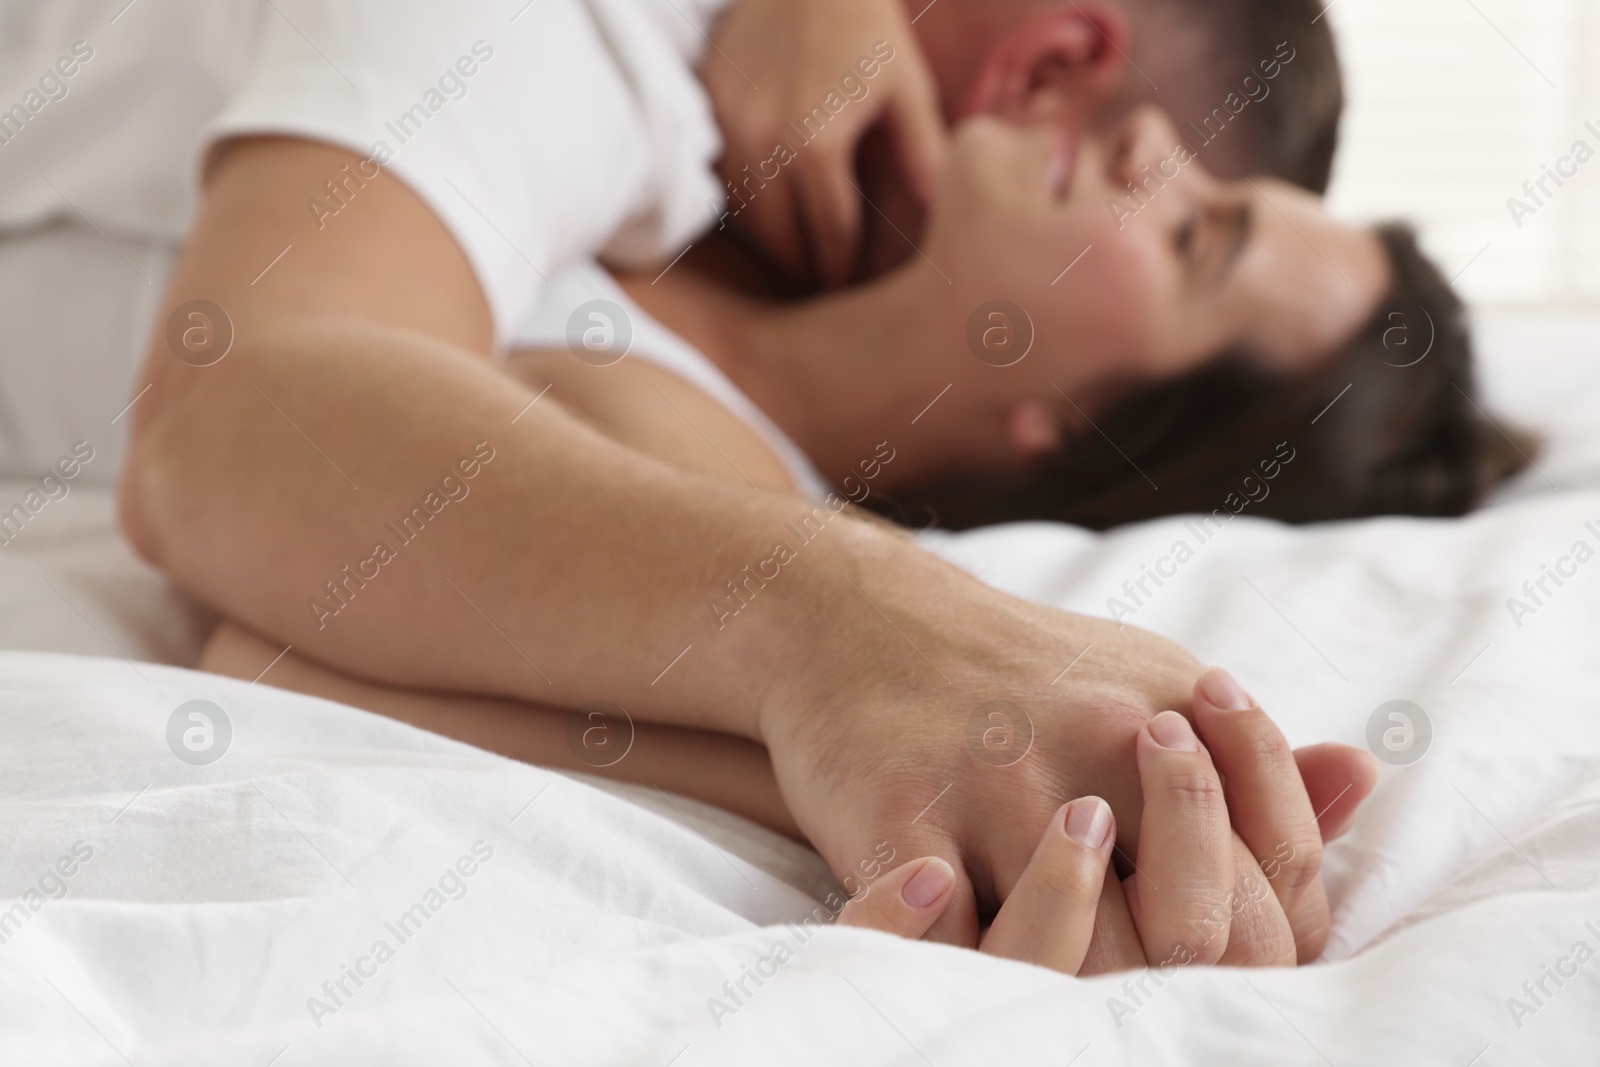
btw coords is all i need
(148, 510)
(136, 506)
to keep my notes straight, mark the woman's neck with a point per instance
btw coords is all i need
(839, 374)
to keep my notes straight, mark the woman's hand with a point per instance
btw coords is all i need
(799, 52)
(1069, 911)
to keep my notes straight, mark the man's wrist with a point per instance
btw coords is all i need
(828, 626)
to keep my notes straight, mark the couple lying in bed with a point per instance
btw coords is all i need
(1060, 307)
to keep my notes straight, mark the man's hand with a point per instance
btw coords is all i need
(943, 720)
(798, 52)
(938, 714)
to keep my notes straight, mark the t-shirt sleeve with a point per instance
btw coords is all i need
(516, 126)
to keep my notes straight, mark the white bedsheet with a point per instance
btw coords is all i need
(218, 899)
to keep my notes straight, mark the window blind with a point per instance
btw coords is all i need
(1453, 105)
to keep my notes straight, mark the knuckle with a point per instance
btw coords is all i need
(809, 159)
(1196, 791)
(1067, 885)
(1186, 924)
(1121, 717)
(1296, 872)
(1262, 933)
(1261, 939)
(1262, 742)
(1197, 930)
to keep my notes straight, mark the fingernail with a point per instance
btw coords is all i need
(928, 884)
(1173, 731)
(1089, 822)
(1219, 687)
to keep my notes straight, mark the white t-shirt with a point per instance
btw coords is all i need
(541, 133)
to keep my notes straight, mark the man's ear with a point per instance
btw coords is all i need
(1033, 430)
(1068, 59)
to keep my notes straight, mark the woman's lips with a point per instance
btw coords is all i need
(1062, 164)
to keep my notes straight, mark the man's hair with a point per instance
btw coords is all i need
(1386, 425)
(1291, 132)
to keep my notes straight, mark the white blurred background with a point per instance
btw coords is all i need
(1453, 104)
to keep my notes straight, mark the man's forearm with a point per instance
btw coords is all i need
(299, 483)
(290, 486)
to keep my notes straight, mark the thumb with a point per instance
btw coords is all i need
(907, 901)
(951, 919)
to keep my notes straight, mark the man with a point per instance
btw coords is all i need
(1253, 85)
(368, 235)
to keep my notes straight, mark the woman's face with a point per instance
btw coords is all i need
(1133, 263)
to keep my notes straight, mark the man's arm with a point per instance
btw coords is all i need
(577, 569)
(357, 380)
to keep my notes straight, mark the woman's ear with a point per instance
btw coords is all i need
(1068, 59)
(1033, 430)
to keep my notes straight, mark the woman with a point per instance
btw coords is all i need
(1184, 343)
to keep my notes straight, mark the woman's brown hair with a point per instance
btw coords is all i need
(1389, 425)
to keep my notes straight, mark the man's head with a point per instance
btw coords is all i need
(1255, 83)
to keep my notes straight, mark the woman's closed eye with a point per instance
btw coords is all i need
(1185, 239)
(1210, 240)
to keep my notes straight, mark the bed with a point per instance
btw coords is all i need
(163, 910)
